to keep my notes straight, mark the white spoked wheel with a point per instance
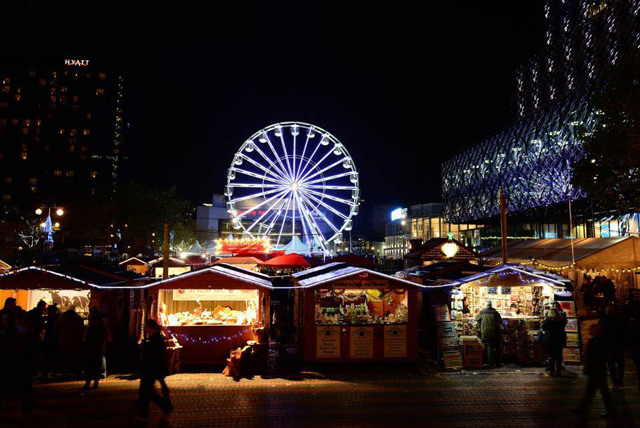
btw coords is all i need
(294, 183)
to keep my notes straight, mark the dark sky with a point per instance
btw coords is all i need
(403, 87)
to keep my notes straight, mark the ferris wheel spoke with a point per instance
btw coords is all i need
(304, 150)
(322, 216)
(315, 186)
(286, 155)
(257, 195)
(256, 175)
(284, 219)
(313, 226)
(259, 219)
(333, 198)
(277, 156)
(305, 231)
(329, 207)
(317, 165)
(331, 177)
(255, 185)
(309, 160)
(269, 161)
(307, 176)
(262, 167)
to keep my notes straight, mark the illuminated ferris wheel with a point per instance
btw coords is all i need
(294, 183)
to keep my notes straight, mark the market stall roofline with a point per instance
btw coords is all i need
(349, 271)
(133, 259)
(215, 269)
(515, 268)
(71, 278)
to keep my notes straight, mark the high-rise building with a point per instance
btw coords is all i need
(584, 40)
(61, 133)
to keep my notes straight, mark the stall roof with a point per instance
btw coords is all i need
(239, 260)
(431, 250)
(64, 277)
(299, 276)
(173, 262)
(232, 272)
(344, 272)
(555, 279)
(4, 266)
(596, 253)
(134, 261)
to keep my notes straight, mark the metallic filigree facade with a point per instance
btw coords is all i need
(531, 161)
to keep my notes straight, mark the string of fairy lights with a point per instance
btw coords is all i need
(537, 264)
(210, 340)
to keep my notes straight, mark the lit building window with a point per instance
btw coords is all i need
(84, 149)
(42, 82)
(86, 132)
(94, 174)
(72, 149)
(32, 73)
(73, 132)
(57, 173)
(53, 98)
(100, 91)
(8, 180)
(6, 198)
(33, 181)
(70, 174)
(102, 76)
(32, 189)
(61, 131)
(24, 147)
(24, 156)
(25, 130)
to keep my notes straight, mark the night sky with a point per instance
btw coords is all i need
(403, 88)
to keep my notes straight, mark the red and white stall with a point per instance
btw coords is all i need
(356, 314)
(212, 311)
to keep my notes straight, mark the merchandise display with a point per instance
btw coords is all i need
(208, 307)
(344, 306)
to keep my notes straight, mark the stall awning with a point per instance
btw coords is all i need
(590, 253)
(287, 261)
(555, 280)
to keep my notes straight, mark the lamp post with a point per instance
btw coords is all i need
(48, 226)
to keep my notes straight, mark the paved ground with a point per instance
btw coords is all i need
(369, 396)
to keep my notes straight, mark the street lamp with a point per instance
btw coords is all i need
(60, 212)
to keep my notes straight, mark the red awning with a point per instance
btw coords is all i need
(290, 260)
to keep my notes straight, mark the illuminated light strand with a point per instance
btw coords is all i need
(209, 341)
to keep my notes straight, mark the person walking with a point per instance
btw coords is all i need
(613, 329)
(489, 327)
(555, 338)
(595, 367)
(154, 368)
(95, 344)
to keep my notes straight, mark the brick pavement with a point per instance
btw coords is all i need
(348, 396)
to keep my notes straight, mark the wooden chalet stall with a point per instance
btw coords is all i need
(212, 311)
(355, 314)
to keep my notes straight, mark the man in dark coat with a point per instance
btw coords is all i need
(595, 367)
(490, 331)
(614, 327)
(555, 338)
(154, 367)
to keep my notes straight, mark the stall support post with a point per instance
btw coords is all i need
(503, 226)
(165, 252)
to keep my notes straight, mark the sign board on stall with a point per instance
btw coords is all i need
(63, 298)
(395, 341)
(327, 342)
(361, 342)
(215, 294)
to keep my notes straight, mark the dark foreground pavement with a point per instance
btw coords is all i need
(369, 396)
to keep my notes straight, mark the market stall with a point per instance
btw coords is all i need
(521, 296)
(31, 284)
(212, 311)
(355, 314)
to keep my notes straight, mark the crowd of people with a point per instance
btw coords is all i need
(591, 288)
(44, 343)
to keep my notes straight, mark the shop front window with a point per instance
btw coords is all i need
(208, 307)
(356, 306)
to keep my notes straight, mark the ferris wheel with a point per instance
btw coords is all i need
(296, 184)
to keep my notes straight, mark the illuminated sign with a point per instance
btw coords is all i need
(76, 62)
(398, 213)
(450, 249)
(235, 246)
